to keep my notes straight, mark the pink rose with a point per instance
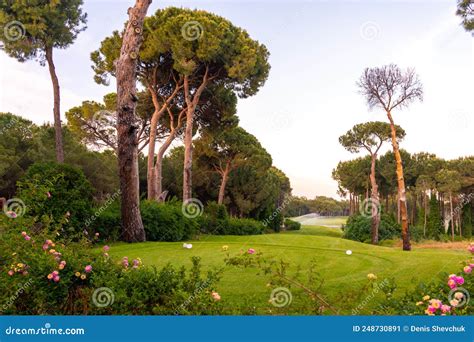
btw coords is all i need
(251, 251)
(88, 269)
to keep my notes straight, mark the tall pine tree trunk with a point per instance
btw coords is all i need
(56, 107)
(132, 224)
(158, 172)
(225, 177)
(402, 199)
(375, 202)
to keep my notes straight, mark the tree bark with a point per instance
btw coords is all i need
(151, 155)
(452, 215)
(225, 177)
(56, 107)
(158, 172)
(402, 200)
(191, 103)
(375, 202)
(127, 128)
(425, 213)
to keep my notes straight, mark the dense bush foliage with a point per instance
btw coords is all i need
(42, 277)
(359, 227)
(59, 193)
(292, 225)
(166, 222)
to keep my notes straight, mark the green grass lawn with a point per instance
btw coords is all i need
(325, 221)
(343, 274)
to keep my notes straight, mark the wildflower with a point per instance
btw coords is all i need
(50, 276)
(56, 279)
(419, 303)
(48, 242)
(470, 248)
(11, 273)
(48, 194)
(426, 297)
(106, 255)
(23, 234)
(77, 274)
(215, 295)
(451, 283)
(225, 248)
(88, 269)
(27, 238)
(454, 302)
(11, 214)
(371, 276)
(97, 234)
(467, 269)
(83, 276)
(61, 266)
(45, 247)
(460, 280)
(459, 295)
(106, 248)
(445, 308)
(435, 303)
(251, 251)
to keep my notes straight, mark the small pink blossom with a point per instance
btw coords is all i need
(27, 238)
(251, 251)
(48, 194)
(56, 279)
(106, 248)
(467, 269)
(45, 247)
(88, 269)
(445, 308)
(11, 273)
(23, 234)
(451, 283)
(215, 295)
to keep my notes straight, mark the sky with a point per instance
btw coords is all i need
(319, 50)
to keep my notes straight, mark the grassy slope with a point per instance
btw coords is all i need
(342, 272)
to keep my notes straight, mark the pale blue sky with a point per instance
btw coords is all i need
(318, 51)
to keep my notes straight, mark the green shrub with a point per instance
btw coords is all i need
(359, 228)
(106, 221)
(292, 225)
(214, 219)
(434, 224)
(243, 226)
(166, 222)
(87, 277)
(57, 193)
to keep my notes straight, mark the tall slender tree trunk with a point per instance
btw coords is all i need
(56, 107)
(158, 172)
(132, 224)
(401, 187)
(225, 177)
(452, 215)
(188, 156)
(375, 202)
(151, 177)
(425, 204)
